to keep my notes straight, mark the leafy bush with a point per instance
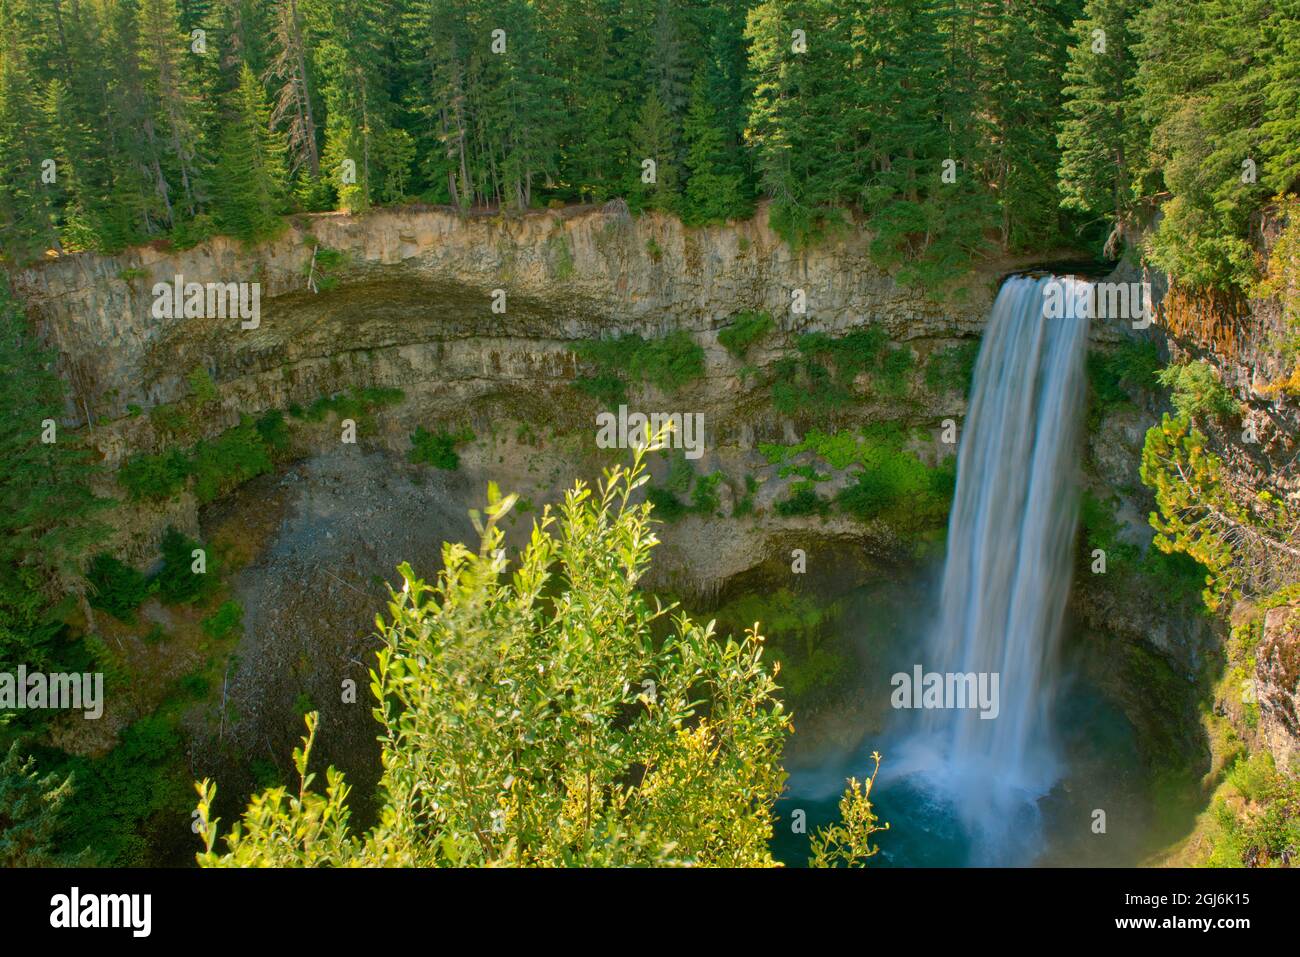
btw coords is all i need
(169, 418)
(154, 477)
(952, 369)
(1114, 375)
(437, 448)
(353, 404)
(178, 583)
(687, 728)
(668, 363)
(667, 506)
(892, 481)
(1197, 391)
(803, 500)
(895, 371)
(229, 460)
(820, 378)
(132, 792)
(274, 432)
(745, 329)
(202, 389)
(116, 587)
(225, 620)
(704, 497)
(1267, 831)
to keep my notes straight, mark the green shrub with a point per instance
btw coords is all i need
(704, 497)
(668, 363)
(820, 378)
(202, 389)
(605, 387)
(178, 583)
(274, 431)
(1268, 833)
(135, 790)
(667, 506)
(680, 473)
(952, 369)
(154, 477)
(437, 448)
(745, 329)
(803, 500)
(895, 371)
(229, 460)
(1115, 375)
(354, 404)
(1197, 391)
(226, 619)
(116, 587)
(169, 418)
(195, 685)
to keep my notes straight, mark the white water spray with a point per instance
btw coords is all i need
(1008, 568)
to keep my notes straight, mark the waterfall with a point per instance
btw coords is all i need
(1008, 568)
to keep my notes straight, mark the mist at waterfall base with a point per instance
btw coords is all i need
(961, 788)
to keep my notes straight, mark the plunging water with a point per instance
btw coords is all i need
(1007, 573)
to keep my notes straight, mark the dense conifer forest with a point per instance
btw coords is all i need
(958, 126)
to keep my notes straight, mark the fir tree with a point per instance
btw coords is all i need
(1101, 138)
(652, 139)
(715, 189)
(250, 174)
(46, 506)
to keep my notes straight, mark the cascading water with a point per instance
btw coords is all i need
(1007, 573)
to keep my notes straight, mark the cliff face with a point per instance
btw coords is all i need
(413, 309)
(566, 275)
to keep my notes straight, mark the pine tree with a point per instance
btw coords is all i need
(294, 110)
(715, 189)
(30, 808)
(1101, 137)
(46, 506)
(652, 140)
(27, 197)
(250, 173)
(169, 80)
(1201, 83)
(348, 47)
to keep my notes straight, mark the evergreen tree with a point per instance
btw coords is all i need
(715, 189)
(348, 49)
(250, 173)
(169, 80)
(1101, 137)
(652, 140)
(294, 110)
(27, 196)
(1201, 83)
(46, 506)
(30, 814)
